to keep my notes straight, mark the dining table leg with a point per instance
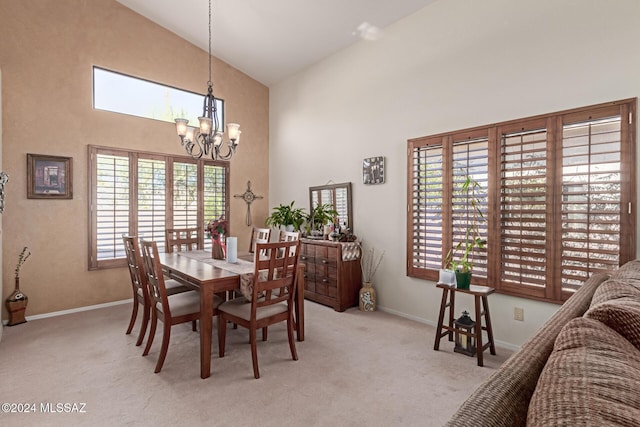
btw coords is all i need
(206, 327)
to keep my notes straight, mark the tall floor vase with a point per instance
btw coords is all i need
(367, 297)
(17, 304)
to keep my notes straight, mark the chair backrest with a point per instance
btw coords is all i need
(276, 268)
(134, 262)
(181, 238)
(288, 236)
(259, 235)
(154, 276)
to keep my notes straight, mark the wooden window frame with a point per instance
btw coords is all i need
(552, 290)
(132, 155)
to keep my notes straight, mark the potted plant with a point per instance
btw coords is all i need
(287, 216)
(321, 215)
(460, 258)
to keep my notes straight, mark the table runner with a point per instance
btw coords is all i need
(241, 267)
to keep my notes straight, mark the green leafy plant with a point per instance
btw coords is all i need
(322, 214)
(460, 258)
(284, 215)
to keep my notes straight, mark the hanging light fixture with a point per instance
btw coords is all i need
(207, 140)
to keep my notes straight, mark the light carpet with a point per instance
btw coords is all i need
(355, 369)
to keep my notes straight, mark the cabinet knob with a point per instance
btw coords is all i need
(324, 261)
(325, 281)
(303, 257)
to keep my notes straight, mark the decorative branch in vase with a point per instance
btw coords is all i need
(369, 262)
(17, 301)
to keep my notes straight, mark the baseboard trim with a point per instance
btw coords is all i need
(73, 310)
(507, 345)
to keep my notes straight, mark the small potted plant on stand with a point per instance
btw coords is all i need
(460, 258)
(287, 216)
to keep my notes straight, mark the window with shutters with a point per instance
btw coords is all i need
(143, 194)
(559, 199)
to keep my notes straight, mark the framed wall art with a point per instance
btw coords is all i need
(49, 177)
(373, 170)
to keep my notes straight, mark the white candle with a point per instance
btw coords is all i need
(232, 249)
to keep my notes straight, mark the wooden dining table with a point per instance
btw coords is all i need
(209, 280)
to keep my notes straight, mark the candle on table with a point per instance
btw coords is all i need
(232, 249)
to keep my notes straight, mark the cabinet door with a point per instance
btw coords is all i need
(326, 281)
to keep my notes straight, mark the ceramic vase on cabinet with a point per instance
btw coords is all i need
(367, 297)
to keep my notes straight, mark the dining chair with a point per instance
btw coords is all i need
(139, 285)
(259, 235)
(169, 309)
(288, 236)
(181, 238)
(272, 298)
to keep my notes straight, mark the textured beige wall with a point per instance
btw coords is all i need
(47, 50)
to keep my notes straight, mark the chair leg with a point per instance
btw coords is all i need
(264, 334)
(254, 352)
(222, 334)
(292, 341)
(143, 327)
(152, 332)
(134, 314)
(194, 328)
(166, 335)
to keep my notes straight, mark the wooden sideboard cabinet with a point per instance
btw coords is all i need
(332, 276)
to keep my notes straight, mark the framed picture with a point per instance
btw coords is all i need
(373, 170)
(49, 177)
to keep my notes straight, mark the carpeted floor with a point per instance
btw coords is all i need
(355, 369)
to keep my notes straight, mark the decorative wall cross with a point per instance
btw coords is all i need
(248, 196)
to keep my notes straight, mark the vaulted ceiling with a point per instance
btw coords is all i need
(272, 39)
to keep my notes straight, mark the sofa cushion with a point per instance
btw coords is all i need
(592, 377)
(629, 272)
(614, 289)
(622, 315)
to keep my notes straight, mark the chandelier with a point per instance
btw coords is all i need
(207, 140)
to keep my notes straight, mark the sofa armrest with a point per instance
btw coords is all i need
(503, 399)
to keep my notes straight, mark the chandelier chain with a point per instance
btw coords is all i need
(209, 82)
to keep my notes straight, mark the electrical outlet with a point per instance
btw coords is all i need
(518, 313)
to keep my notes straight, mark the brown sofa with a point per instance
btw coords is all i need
(582, 367)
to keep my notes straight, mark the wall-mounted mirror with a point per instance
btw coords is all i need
(338, 196)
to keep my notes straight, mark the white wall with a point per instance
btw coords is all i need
(453, 65)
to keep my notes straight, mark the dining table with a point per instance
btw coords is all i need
(199, 271)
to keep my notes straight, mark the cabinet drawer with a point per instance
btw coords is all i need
(308, 254)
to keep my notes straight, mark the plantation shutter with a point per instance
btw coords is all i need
(426, 224)
(111, 208)
(591, 198)
(523, 207)
(215, 195)
(470, 159)
(152, 190)
(185, 195)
